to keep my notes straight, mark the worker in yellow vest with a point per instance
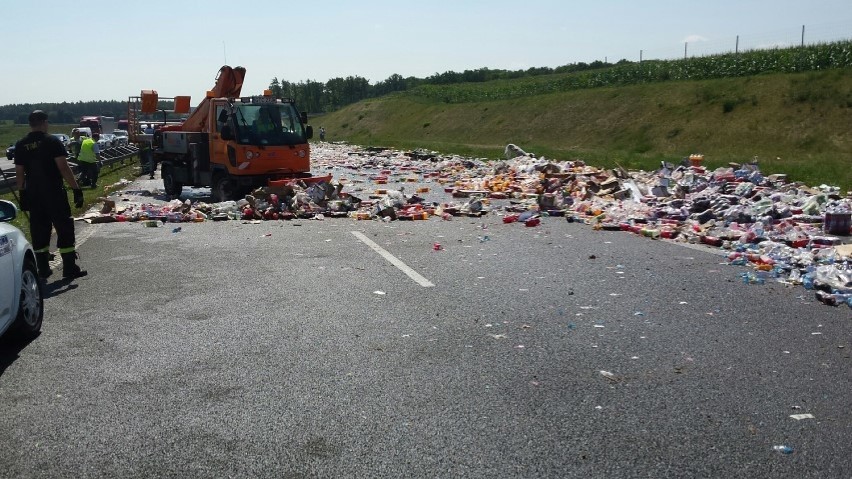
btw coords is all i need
(88, 161)
(76, 141)
(265, 125)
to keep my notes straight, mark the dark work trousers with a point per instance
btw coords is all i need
(151, 162)
(88, 173)
(51, 209)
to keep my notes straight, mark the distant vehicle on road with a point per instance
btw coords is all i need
(10, 152)
(65, 139)
(98, 124)
(107, 140)
(93, 123)
(84, 131)
(21, 293)
(121, 137)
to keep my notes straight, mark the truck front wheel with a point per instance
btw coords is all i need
(170, 184)
(223, 188)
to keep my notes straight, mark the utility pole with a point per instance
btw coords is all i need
(803, 35)
(737, 46)
(640, 56)
(684, 49)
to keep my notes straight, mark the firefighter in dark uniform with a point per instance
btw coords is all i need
(40, 166)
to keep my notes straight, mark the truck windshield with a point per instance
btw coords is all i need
(275, 124)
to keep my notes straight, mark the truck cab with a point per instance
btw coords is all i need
(93, 123)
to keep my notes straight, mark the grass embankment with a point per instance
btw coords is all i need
(794, 123)
(129, 169)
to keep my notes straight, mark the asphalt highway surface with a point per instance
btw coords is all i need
(343, 348)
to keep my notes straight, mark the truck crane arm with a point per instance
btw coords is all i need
(229, 83)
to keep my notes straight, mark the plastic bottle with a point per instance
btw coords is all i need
(783, 449)
(651, 233)
(842, 298)
(795, 275)
(826, 298)
(751, 278)
(808, 281)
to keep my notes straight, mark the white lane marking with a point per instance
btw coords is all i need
(80, 237)
(85, 233)
(394, 260)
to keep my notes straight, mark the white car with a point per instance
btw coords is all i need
(84, 131)
(107, 140)
(21, 293)
(121, 137)
(63, 138)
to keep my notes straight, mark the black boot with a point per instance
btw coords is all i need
(70, 270)
(43, 264)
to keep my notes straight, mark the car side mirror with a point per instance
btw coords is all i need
(8, 211)
(309, 132)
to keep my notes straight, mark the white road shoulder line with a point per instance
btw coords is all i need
(80, 237)
(394, 260)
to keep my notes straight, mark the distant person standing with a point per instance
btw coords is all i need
(40, 166)
(87, 161)
(146, 157)
(146, 151)
(75, 143)
(322, 133)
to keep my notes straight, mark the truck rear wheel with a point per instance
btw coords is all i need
(223, 188)
(170, 184)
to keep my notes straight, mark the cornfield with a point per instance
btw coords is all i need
(754, 62)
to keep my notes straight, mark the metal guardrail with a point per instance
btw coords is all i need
(111, 156)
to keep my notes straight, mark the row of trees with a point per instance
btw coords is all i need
(338, 92)
(63, 112)
(312, 96)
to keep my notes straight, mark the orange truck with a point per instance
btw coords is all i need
(230, 143)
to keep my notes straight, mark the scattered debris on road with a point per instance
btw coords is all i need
(785, 232)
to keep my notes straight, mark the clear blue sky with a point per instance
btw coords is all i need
(55, 51)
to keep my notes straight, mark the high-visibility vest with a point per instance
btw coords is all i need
(75, 145)
(264, 126)
(87, 151)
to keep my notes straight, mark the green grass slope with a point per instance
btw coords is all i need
(794, 123)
